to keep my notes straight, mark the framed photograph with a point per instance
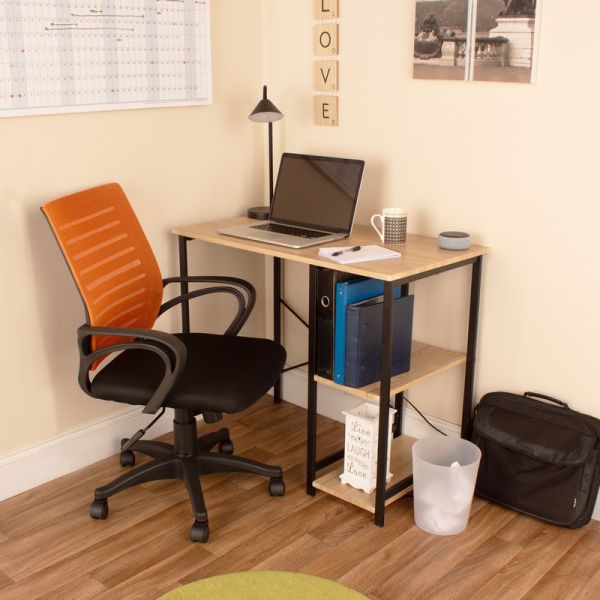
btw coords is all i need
(476, 40)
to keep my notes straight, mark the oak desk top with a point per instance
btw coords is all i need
(420, 254)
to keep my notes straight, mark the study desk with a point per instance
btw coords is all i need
(420, 258)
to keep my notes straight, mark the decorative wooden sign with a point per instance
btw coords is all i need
(326, 72)
(360, 456)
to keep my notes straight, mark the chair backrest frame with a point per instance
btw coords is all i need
(109, 257)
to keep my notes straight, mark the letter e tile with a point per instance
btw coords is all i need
(326, 110)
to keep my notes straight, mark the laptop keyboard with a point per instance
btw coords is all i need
(298, 231)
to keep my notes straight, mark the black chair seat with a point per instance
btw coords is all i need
(222, 374)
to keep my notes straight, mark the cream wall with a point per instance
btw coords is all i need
(177, 165)
(514, 165)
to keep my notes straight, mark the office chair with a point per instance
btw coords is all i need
(193, 373)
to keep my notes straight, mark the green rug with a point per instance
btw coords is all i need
(263, 585)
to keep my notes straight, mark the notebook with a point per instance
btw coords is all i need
(314, 202)
(346, 255)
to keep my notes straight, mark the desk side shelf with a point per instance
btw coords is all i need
(425, 362)
(400, 466)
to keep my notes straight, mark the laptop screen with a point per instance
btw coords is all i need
(318, 192)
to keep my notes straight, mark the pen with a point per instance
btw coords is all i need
(353, 249)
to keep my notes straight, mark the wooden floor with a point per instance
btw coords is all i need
(50, 548)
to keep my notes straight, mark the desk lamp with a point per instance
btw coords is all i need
(265, 112)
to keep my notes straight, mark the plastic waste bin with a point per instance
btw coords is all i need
(444, 475)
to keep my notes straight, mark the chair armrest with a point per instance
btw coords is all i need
(170, 348)
(230, 285)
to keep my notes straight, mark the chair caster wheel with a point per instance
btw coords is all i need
(127, 458)
(226, 447)
(199, 532)
(277, 486)
(99, 509)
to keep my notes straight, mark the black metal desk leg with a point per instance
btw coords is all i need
(183, 272)
(384, 400)
(399, 397)
(467, 409)
(277, 318)
(311, 429)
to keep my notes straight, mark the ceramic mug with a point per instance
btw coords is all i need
(393, 225)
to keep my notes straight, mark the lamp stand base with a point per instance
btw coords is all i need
(259, 212)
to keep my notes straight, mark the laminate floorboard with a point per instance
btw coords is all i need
(50, 548)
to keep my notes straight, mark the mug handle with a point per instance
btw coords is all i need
(380, 233)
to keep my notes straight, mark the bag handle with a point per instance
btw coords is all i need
(544, 397)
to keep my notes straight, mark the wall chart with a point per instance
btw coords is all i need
(85, 55)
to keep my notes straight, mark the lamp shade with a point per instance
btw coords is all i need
(265, 111)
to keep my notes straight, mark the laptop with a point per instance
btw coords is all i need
(314, 202)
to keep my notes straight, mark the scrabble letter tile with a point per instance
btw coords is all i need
(327, 9)
(326, 110)
(326, 76)
(326, 39)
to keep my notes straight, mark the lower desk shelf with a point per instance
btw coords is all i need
(400, 466)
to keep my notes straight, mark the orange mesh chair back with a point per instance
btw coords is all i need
(110, 258)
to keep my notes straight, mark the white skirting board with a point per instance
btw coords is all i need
(24, 469)
(31, 466)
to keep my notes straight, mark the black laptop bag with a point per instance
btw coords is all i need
(538, 456)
